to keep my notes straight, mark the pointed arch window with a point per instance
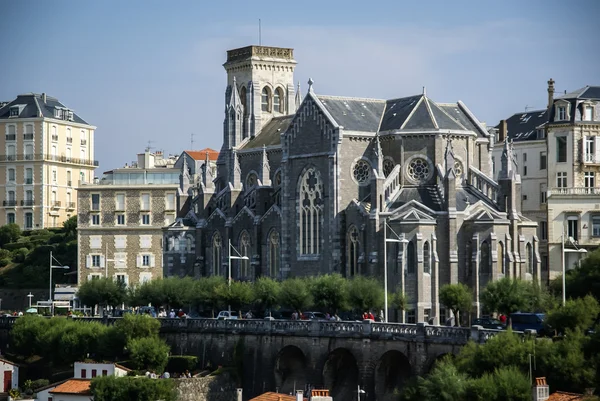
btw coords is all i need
(426, 258)
(244, 251)
(311, 212)
(265, 99)
(484, 258)
(217, 251)
(243, 99)
(529, 259)
(274, 254)
(353, 251)
(278, 101)
(500, 258)
(411, 259)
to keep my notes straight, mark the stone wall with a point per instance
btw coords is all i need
(208, 388)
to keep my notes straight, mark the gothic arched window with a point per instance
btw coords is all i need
(274, 254)
(217, 248)
(278, 100)
(251, 181)
(411, 260)
(529, 259)
(426, 258)
(243, 99)
(311, 212)
(244, 251)
(500, 258)
(484, 258)
(353, 251)
(265, 99)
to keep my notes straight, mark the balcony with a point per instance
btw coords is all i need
(11, 137)
(56, 205)
(83, 142)
(69, 139)
(73, 160)
(28, 137)
(27, 202)
(9, 203)
(28, 181)
(28, 157)
(70, 205)
(574, 191)
(54, 138)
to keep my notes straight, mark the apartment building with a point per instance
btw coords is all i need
(46, 150)
(120, 220)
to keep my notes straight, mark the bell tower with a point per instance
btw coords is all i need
(264, 80)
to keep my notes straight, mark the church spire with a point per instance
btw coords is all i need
(506, 160)
(449, 156)
(378, 156)
(265, 169)
(234, 101)
(298, 97)
(184, 177)
(208, 175)
(236, 172)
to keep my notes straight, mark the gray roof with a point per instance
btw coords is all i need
(270, 134)
(429, 196)
(33, 106)
(587, 92)
(354, 114)
(524, 126)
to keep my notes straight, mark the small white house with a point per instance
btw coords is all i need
(9, 377)
(71, 390)
(89, 370)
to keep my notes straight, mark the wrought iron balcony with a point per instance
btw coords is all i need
(27, 202)
(9, 203)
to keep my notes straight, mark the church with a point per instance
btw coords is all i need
(357, 186)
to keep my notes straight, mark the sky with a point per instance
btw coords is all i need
(149, 73)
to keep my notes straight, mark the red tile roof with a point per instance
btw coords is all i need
(563, 396)
(73, 386)
(201, 154)
(270, 396)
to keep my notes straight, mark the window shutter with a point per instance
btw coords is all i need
(102, 261)
(138, 261)
(597, 149)
(151, 260)
(88, 261)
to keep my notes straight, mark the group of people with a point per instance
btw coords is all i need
(172, 314)
(167, 375)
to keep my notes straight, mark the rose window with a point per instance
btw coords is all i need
(419, 170)
(361, 171)
(388, 166)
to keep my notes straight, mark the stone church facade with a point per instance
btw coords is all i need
(308, 186)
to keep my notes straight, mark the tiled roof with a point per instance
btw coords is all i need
(563, 396)
(73, 386)
(270, 396)
(8, 362)
(201, 154)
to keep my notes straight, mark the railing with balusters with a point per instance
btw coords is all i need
(483, 184)
(391, 185)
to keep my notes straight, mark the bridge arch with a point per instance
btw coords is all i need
(341, 375)
(391, 373)
(290, 369)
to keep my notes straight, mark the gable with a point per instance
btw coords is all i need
(311, 114)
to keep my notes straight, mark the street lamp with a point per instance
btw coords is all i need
(230, 257)
(385, 265)
(564, 251)
(30, 295)
(359, 392)
(59, 266)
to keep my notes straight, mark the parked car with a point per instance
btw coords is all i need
(488, 323)
(528, 321)
(313, 316)
(224, 315)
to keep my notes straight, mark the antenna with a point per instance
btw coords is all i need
(527, 107)
(259, 34)
(150, 142)
(192, 141)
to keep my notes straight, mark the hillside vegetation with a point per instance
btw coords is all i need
(25, 255)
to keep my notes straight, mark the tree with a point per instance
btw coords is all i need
(398, 300)
(365, 293)
(456, 297)
(137, 326)
(149, 293)
(102, 291)
(506, 383)
(444, 383)
(577, 314)
(295, 294)
(148, 353)
(112, 388)
(26, 334)
(330, 291)
(70, 226)
(205, 292)
(236, 295)
(266, 293)
(177, 292)
(582, 280)
(507, 296)
(9, 233)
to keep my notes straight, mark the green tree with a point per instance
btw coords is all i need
(398, 300)
(237, 294)
(295, 294)
(205, 292)
(456, 297)
(148, 353)
(330, 291)
(266, 293)
(177, 292)
(133, 326)
(582, 280)
(9, 233)
(444, 383)
(577, 314)
(70, 226)
(365, 293)
(506, 383)
(27, 333)
(112, 388)
(507, 296)
(149, 293)
(102, 291)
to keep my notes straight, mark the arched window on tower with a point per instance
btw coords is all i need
(243, 99)
(500, 258)
(411, 259)
(353, 245)
(529, 259)
(484, 258)
(274, 254)
(244, 251)
(265, 99)
(426, 258)
(217, 247)
(311, 212)
(278, 105)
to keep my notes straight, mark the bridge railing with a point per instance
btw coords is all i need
(312, 328)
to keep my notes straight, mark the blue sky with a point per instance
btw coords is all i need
(152, 70)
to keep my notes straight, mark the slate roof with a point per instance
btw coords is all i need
(33, 106)
(271, 396)
(428, 196)
(270, 134)
(73, 386)
(354, 114)
(201, 154)
(524, 126)
(585, 93)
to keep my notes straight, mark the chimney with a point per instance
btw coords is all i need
(502, 131)
(550, 92)
(299, 395)
(239, 394)
(44, 98)
(541, 391)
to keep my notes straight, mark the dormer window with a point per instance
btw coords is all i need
(561, 113)
(14, 111)
(588, 113)
(58, 113)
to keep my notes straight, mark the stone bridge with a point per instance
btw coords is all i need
(286, 355)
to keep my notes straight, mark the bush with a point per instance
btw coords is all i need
(39, 383)
(5, 262)
(148, 353)
(4, 254)
(19, 255)
(13, 246)
(180, 364)
(112, 388)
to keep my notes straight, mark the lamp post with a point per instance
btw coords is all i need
(359, 392)
(59, 266)
(230, 257)
(564, 256)
(30, 295)
(385, 265)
